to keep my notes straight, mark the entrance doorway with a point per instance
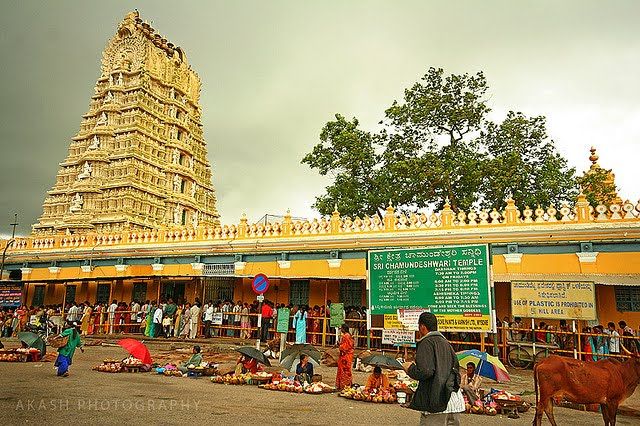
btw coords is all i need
(172, 290)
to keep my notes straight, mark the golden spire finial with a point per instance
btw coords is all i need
(593, 157)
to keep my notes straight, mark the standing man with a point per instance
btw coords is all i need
(195, 320)
(237, 310)
(208, 317)
(170, 310)
(438, 396)
(112, 314)
(614, 339)
(267, 314)
(135, 309)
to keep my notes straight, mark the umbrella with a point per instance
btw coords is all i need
(382, 361)
(137, 349)
(252, 352)
(291, 354)
(33, 341)
(487, 365)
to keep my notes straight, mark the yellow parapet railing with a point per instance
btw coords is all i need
(335, 225)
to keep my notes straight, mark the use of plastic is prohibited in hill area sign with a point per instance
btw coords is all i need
(453, 282)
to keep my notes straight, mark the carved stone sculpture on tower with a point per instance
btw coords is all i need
(177, 183)
(194, 219)
(95, 144)
(76, 203)
(194, 187)
(108, 98)
(86, 171)
(177, 215)
(102, 120)
(176, 156)
(120, 80)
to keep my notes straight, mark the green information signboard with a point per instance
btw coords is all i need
(337, 314)
(452, 282)
(283, 320)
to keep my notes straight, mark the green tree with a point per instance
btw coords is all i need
(598, 186)
(523, 164)
(346, 153)
(438, 144)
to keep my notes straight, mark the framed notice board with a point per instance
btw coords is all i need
(453, 282)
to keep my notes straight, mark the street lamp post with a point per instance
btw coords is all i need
(9, 243)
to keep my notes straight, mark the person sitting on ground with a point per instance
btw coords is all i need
(377, 380)
(470, 383)
(246, 365)
(304, 369)
(195, 360)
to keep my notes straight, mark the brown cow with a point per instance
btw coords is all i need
(607, 382)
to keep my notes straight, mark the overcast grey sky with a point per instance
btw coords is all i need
(274, 72)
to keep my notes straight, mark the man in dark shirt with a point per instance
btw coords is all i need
(437, 370)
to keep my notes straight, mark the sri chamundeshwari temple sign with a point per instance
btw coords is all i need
(139, 160)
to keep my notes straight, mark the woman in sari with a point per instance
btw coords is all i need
(97, 319)
(65, 353)
(86, 319)
(148, 319)
(315, 324)
(20, 322)
(300, 324)
(344, 376)
(177, 325)
(185, 328)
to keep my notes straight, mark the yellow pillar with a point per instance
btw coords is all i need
(335, 220)
(390, 218)
(511, 212)
(243, 227)
(446, 215)
(287, 224)
(582, 208)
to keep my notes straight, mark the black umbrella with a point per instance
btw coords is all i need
(252, 352)
(291, 354)
(382, 361)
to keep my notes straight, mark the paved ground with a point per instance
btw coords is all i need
(32, 393)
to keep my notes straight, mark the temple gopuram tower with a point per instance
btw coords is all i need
(139, 160)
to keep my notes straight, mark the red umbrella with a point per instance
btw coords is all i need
(137, 349)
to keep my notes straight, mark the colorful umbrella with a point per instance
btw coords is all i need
(382, 361)
(33, 341)
(252, 352)
(137, 349)
(290, 355)
(487, 365)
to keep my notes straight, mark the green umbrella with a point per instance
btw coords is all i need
(33, 341)
(291, 354)
(252, 352)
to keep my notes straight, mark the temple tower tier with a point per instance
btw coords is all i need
(139, 160)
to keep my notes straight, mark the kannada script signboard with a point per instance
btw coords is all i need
(10, 294)
(452, 282)
(553, 300)
(283, 320)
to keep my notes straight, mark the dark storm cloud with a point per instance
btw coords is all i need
(274, 72)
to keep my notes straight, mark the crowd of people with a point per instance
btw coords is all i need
(222, 318)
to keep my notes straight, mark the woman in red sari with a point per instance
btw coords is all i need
(315, 318)
(344, 376)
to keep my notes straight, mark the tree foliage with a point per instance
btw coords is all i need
(438, 144)
(598, 186)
